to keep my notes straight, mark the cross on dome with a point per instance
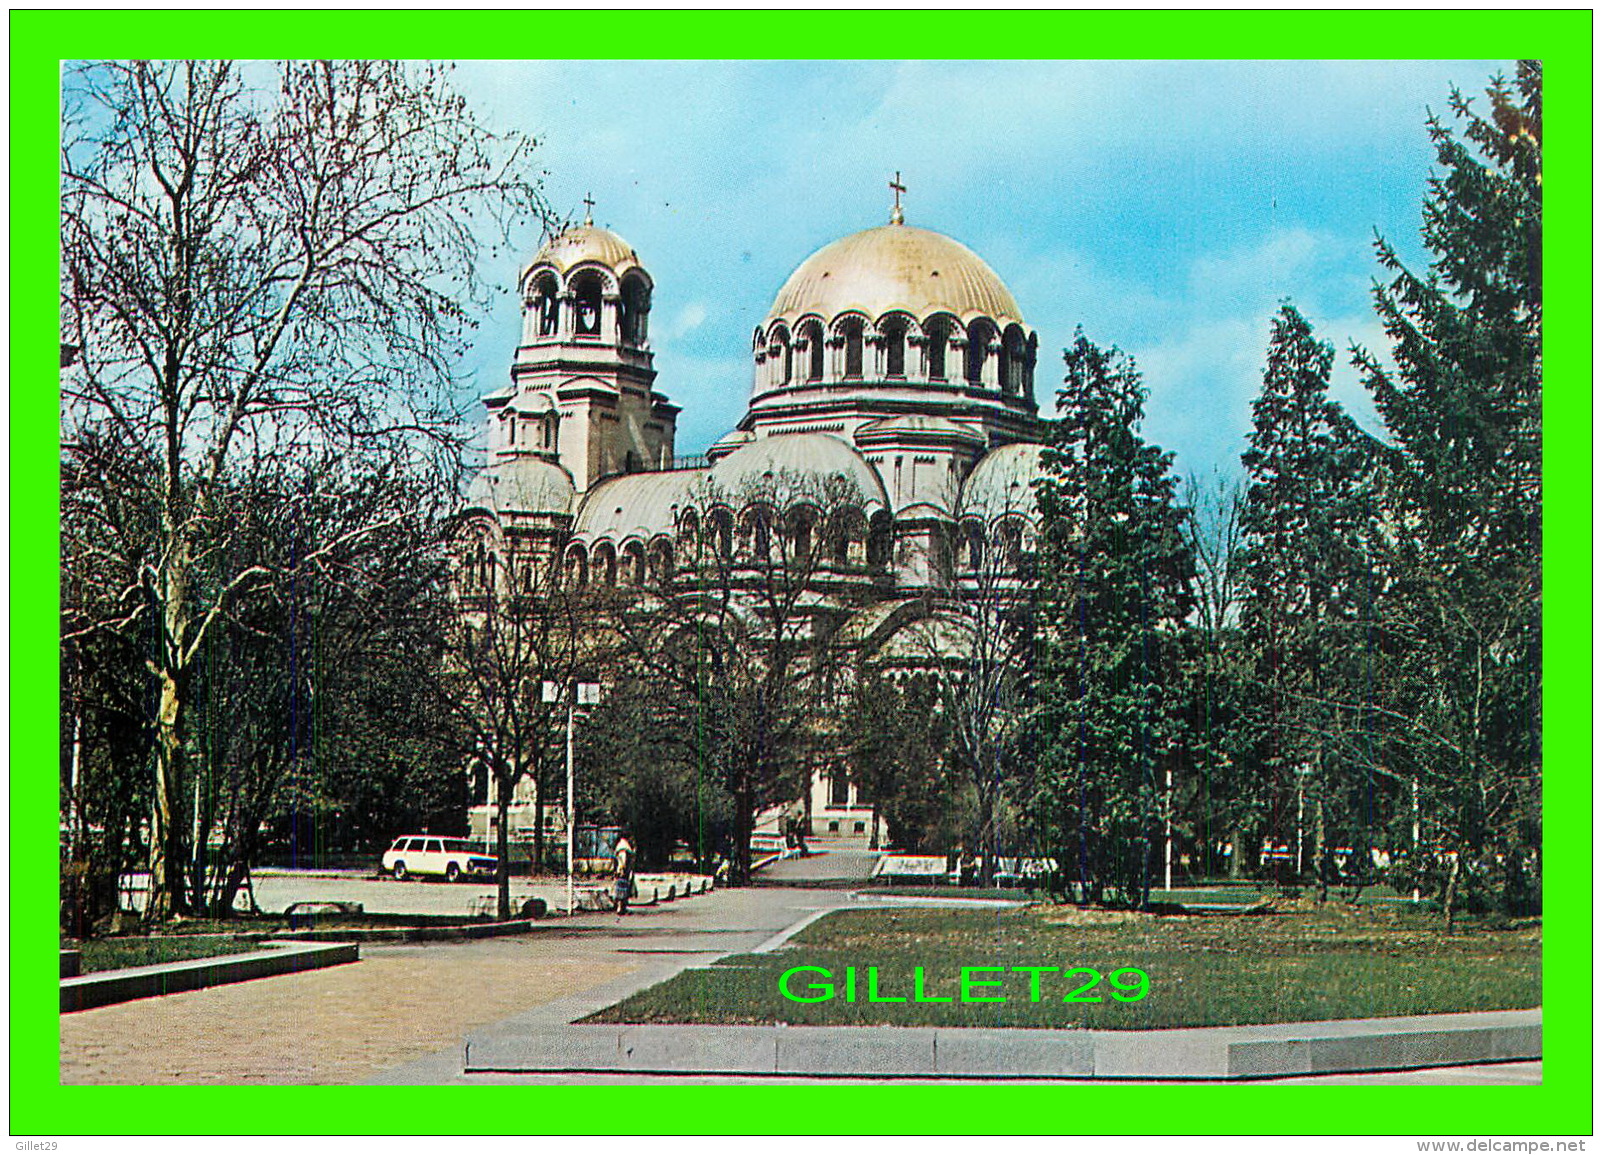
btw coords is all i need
(895, 214)
(589, 205)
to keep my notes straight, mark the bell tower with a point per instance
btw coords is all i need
(582, 392)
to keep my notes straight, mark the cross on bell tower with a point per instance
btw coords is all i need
(899, 188)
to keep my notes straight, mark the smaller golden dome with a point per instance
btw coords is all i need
(587, 242)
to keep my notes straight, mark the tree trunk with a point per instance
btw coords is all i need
(503, 881)
(539, 820)
(987, 837)
(1450, 900)
(740, 864)
(166, 860)
(164, 896)
(238, 874)
(1319, 857)
(1237, 844)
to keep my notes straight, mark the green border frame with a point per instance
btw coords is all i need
(1561, 1105)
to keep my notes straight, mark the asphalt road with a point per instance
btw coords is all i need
(379, 894)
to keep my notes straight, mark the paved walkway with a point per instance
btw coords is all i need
(404, 1004)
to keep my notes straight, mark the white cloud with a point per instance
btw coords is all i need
(1202, 379)
(690, 317)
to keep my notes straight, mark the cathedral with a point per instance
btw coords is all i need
(893, 361)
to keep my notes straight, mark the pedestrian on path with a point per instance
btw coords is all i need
(624, 864)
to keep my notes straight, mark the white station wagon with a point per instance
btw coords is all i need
(430, 854)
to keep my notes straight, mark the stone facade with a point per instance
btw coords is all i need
(894, 366)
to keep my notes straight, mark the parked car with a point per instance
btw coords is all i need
(453, 858)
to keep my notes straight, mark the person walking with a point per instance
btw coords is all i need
(623, 863)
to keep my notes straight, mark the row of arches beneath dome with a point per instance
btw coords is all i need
(518, 432)
(590, 304)
(939, 349)
(799, 539)
(483, 568)
(999, 551)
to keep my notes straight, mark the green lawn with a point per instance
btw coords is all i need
(1301, 963)
(114, 953)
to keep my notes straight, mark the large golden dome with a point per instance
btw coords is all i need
(895, 268)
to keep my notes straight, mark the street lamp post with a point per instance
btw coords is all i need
(574, 694)
(1299, 824)
(1417, 860)
(1168, 834)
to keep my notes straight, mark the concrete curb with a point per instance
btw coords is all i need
(933, 902)
(103, 988)
(1206, 1053)
(458, 933)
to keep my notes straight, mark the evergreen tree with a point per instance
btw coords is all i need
(1114, 594)
(1307, 590)
(1463, 406)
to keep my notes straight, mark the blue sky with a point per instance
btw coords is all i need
(1168, 207)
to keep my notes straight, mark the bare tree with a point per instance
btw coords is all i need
(977, 647)
(747, 628)
(252, 273)
(1213, 531)
(1223, 802)
(510, 640)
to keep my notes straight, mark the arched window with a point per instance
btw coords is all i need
(634, 564)
(578, 569)
(976, 546)
(894, 333)
(801, 536)
(879, 540)
(605, 565)
(937, 337)
(636, 310)
(689, 525)
(1009, 538)
(851, 329)
(545, 305)
(587, 305)
(781, 355)
(1012, 361)
(789, 359)
(661, 564)
(761, 532)
(489, 574)
(848, 537)
(723, 533)
(812, 334)
(978, 352)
